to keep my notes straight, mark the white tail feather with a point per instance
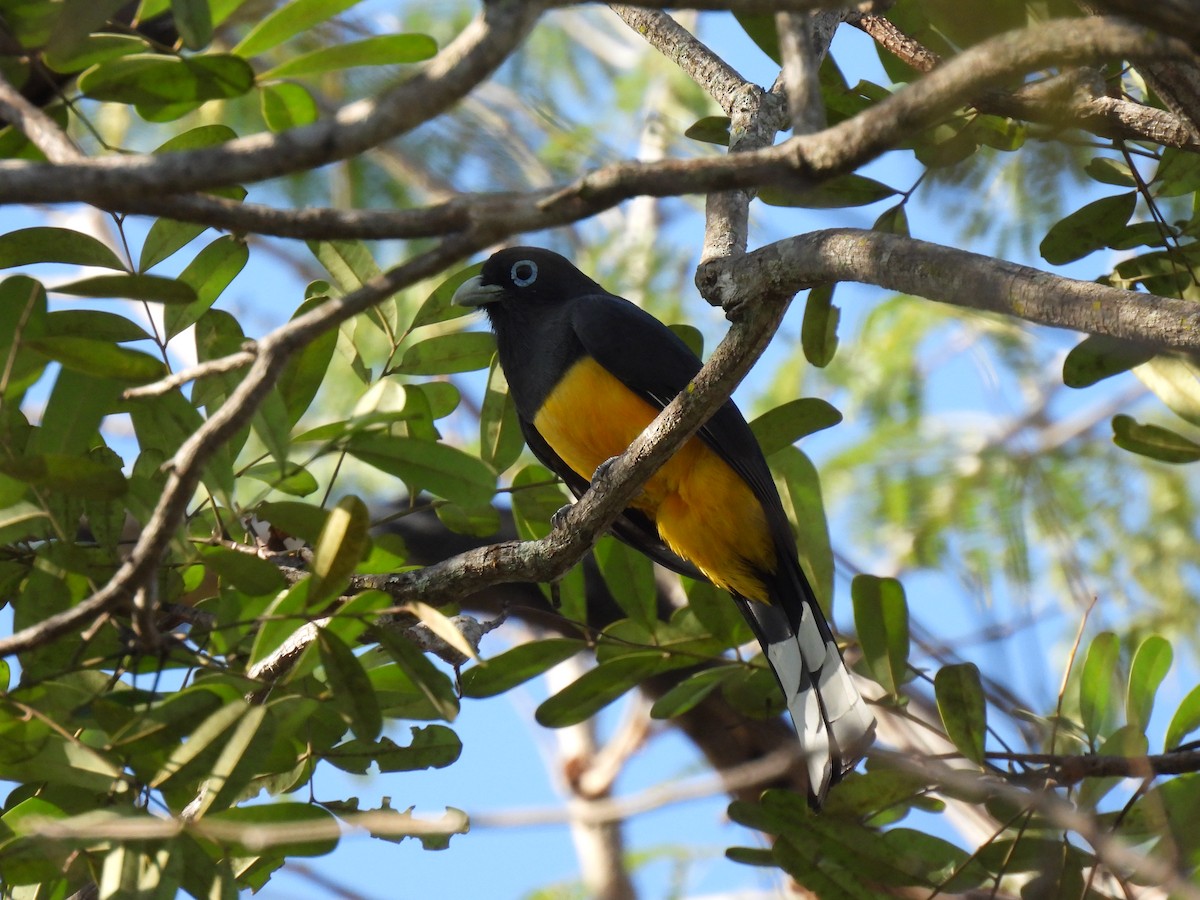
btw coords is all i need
(832, 722)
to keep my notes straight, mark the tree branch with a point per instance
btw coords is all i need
(42, 131)
(957, 277)
(1067, 770)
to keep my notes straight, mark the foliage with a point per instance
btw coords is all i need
(167, 748)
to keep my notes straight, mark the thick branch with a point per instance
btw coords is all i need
(957, 277)
(470, 58)
(42, 131)
(1073, 769)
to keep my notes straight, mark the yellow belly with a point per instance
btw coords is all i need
(703, 510)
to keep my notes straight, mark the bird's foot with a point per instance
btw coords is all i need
(604, 468)
(559, 519)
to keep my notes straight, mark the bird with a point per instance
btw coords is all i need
(587, 371)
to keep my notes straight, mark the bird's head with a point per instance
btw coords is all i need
(525, 277)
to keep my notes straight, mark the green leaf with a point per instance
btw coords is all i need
(818, 331)
(1087, 229)
(630, 579)
(1185, 721)
(77, 405)
(248, 573)
(213, 269)
(1110, 171)
(1175, 382)
(287, 21)
(1150, 665)
(478, 521)
(446, 354)
(432, 747)
(717, 612)
(352, 690)
(132, 287)
(165, 238)
(1096, 683)
(710, 130)
(340, 547)
(100, 358)
(26, 246)
(500, 438)
(597, 688)
(193, 757)
(243, 748)
(1127, 741)
(689, 692)
(800, 489)
(437, 306)
(94, 323)
(349, 262)
(1153, 441)
(96, 48)
(193, 20)
(280, 619)
(1178, 174)
(287, 105)
(893, 220)
(304, 373)
(381, 50)
(289, 478)
(287, 819)
(960, 701)
(432, 683)
(881, 618)
(156, 80)
(516, 666)
(426, 465)
(76, 476)
(1097, 357)
(784, 425)
(690, 335)
(302, 520)
(837, 192)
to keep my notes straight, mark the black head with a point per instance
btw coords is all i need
(528, 276)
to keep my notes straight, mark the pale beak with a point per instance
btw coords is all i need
(474, 293)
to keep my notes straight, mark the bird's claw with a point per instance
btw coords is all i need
(604, 468)
(559, 519)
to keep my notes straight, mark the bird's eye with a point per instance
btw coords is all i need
(524, 273)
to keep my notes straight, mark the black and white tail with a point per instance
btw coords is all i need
(833, 723)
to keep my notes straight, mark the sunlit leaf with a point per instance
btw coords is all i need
(818, 330)
(1097, 357)
(881, 618)
(1087, 229)
(1153, 441)
(381, 50)
(351, 688)
(288, 21)
(516, 666)
(42, 244)
(1097, 682)
(340, 547)
(597, 688)
(784, 425)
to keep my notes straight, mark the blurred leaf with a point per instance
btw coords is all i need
(381, 50)
(302, 822)
(288, 21)
(288, 479)
(280, 619)
(881, 619)
(94, 323)
(101, 359)
(1127, 741)
(1153, 441)
(208, 275)
(800, 487)
(688, 693)
(833, 193)
(131, 287)
(818, 331)
(352, 690)
(438, 623)
(500, 438)
(429, 680)
(1151, 662)
(1175, 382)
(305, 371)
(432, 747)
(690, 335)
(287, 105)
(247, 572)
(446, 354)
(76, 476)
(893, 220)
(710, 130)
(1096, 683)
(717, 612)
(243, 748)
(760, 28)
(516, 666)
(478, 521)
(630, 579)
(1185, 721)
(193, 20)
(784, 425)
(1097, 357)
(597, 688)
(155, 80)
(1178, 174)
(963, 708)
(71, 421)
(1110, 171)
(301, 520)
(426, 465)
(340, 547)
(26, 246)
(1087, 229)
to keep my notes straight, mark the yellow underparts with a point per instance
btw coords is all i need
(703, 510)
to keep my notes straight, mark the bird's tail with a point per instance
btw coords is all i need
(833, 723)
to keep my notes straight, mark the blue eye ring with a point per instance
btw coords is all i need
(524, 280)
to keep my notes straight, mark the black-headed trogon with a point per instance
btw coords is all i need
(588, 371)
